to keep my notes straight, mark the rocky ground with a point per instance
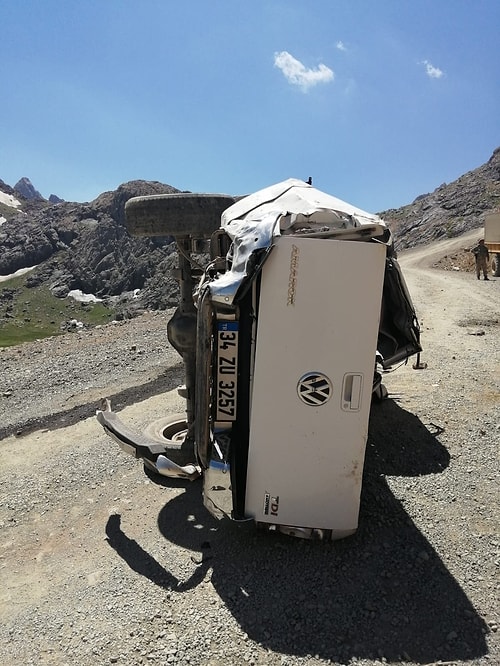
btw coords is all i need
(100, 565)
(58, 381)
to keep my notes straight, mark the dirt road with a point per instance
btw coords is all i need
(459, 317)
(100, 565)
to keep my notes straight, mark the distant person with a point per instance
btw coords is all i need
(482, 256)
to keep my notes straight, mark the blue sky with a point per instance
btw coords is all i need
(378, 100)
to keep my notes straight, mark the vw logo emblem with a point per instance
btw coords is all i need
(314, 389)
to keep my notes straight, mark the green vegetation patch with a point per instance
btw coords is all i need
(28, 314)
(8, 211)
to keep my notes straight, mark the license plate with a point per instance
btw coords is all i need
(227, 370)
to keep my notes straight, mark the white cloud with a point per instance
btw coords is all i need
(431, 71)
(299, 75)
(341, 46)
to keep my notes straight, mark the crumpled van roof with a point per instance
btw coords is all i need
(297, 198)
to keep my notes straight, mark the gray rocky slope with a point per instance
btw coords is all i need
(451, 210)
(86, 246)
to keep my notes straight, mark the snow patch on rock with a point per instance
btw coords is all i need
(78, 295)
(9, 200)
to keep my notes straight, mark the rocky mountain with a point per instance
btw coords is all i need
(86, 247)
(25, 188)
(449, 211)
(6, 189)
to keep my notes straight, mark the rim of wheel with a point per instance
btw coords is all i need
(173, 434)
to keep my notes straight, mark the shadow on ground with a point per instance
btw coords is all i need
(382, 593)
(167, 381)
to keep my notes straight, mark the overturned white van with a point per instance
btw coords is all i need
(283, 334)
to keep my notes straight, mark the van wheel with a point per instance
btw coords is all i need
(181, 214)
(380, 393)
(171, 431)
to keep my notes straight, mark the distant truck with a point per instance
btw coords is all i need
(492, 240)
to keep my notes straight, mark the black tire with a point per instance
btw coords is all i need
(168, 430)
(380, 393)
(196, 215)
(171, 432)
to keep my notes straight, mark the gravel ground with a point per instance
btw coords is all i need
(58, 381)
(100, 565)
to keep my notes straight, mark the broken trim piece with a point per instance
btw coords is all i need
(139, 445)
